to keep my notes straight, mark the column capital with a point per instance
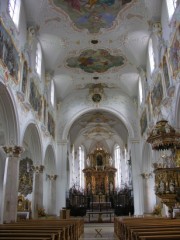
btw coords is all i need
(146, 175)
(38, 169)
(51, 177)
(13, 151)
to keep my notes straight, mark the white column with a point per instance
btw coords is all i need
(61, 185)
(148, 192)
(37, 198)
(51, 201)
(10, 183)
(136, 177)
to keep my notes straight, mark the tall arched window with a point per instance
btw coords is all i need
(52, 93)
(38, 59)
(14, 10)
(140, 91)
(117, 158)
(151, 55)
(171, 6)
(81, 166)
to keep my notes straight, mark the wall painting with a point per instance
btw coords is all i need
(166, 73)
(143, 122)
(35, 98)
(51, 125)
(157, 93)
(95, 61)
(9, 55)
(24, 77)
(174, 53)
(92, 14)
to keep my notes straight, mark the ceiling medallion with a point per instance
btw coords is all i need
(96, 93)
(94, 41)
(96, 97)
(92, 61)
(92, 15)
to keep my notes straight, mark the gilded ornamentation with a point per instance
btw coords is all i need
(38, 169)
(13, 151)
(25, 176)
(51, 177)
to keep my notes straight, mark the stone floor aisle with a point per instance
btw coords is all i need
(104, 231)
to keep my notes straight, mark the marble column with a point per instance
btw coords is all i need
(51, 193)
(37, 198)
(136, 162)
(10, 183)
(61, 185)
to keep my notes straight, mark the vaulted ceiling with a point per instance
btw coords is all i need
(90, 42)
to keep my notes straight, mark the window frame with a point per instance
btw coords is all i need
(151, 56)
(38, 60)
(171, 7)
(14, 8)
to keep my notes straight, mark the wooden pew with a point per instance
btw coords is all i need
(24, 238)
(132, 228)
(71, 228)
(161, 237)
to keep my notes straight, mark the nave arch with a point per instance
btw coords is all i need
(9, 136)
(33, 150)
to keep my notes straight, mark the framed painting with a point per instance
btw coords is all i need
(24, 77)
(35, 98)
(165, 72)
(143, 122)
(51, 125)
(157, 92)
(149, 107)
(9, 56)
(174, 53)
(44, 110)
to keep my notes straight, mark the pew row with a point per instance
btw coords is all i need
(52, 229)
(146, 228)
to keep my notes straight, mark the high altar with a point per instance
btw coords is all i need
(99, 175)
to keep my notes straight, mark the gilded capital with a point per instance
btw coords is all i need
(13, 151)
(51, 177)
(38, 169)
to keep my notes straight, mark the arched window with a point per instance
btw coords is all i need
(14, 10)
(171, 7)
(140, 91)
(117, 157)
(81, 166)
(151, 55)
(52, 93)
(38, 59)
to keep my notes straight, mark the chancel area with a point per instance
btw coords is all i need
(89, 119)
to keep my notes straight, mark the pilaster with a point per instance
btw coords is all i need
(61, 185)
(136, 177)
(37, 198)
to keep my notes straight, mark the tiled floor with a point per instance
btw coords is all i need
(104, 231)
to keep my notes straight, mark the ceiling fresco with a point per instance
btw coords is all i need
(92, 14)
(92, 61)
